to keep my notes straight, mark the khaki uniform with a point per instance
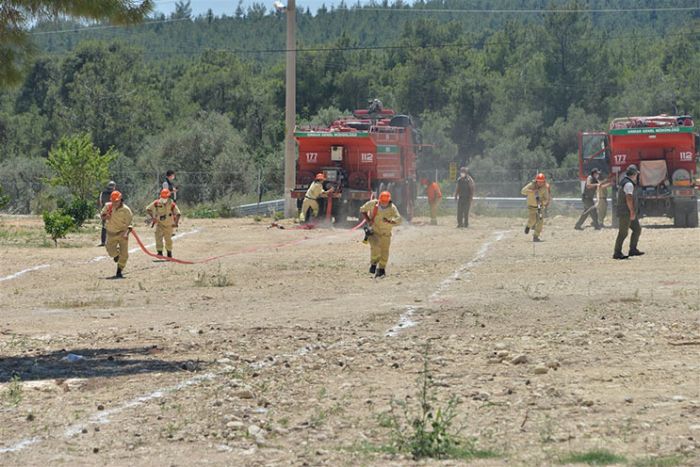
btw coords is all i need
(602, 207)
(311, 197)
(166, 213)
(534, 220)
(380, 240)
(117, 223)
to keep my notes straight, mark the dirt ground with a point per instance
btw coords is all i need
(286, 351)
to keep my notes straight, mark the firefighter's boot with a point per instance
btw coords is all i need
(619, 255)
(160, 253)
(380, 273)
(636, 252)
(119, 274)
(170, 254)
(527, 229)
(536, 239)
(372, 268)
(116, 259)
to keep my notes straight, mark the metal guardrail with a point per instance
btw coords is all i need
(277, 205)
(266, 207)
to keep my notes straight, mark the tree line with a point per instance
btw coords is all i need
(503, 92)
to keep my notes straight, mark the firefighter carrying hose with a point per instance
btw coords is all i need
(381, 216)
(537, 200)
(311, 197)
(165, 215)
(117, 217)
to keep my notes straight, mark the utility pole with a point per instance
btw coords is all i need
(290, 112)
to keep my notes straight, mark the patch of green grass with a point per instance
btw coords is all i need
(13, 394)
(594, 457)
(668, 461)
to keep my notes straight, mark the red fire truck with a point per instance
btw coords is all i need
(664, 149)
(361, 155)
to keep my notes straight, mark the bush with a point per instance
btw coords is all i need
(80, 211)
(57, 225)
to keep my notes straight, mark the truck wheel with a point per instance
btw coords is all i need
(691, 219)
(678, 215)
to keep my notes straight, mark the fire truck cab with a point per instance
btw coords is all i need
(664, 149)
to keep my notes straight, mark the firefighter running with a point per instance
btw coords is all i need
(381, 216)
(117, 217)
(165, 215)
(537, 199)
(314, 192)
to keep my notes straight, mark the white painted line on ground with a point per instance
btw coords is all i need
(20, 445)
(406, 318)
(23, 271)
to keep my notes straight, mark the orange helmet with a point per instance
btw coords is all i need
(384, 197)
(165, 193)
(115, 196)
(320, 176)
(540, 177)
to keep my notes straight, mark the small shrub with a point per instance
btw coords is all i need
(203, 212)
(13, 395)
(80, 211)
(427, 431)
(57, 225)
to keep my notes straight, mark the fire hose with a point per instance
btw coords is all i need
(234, 253)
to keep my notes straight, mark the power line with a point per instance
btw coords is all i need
(110, 26)
(401, 10)
(519, 11)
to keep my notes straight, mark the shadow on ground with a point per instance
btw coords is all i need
(94, 363)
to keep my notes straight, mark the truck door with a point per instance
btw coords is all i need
(593, 152)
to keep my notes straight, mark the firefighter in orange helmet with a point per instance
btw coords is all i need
(165, 215)
(381, 216)
(537, 200)
(311, 197)
(432, 191)
(117, 217)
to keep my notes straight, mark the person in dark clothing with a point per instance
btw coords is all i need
(627, 205)
(103, 199)
(589, 207)
(464, 193)
(168, 183)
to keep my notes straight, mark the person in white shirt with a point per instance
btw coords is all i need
(627, 206)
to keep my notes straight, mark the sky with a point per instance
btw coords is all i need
(228, 7)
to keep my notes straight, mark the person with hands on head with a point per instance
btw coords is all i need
(165, 215)
(537, 194)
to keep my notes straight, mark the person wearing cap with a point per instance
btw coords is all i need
(589, 207)
(627, 206)
(165, 215)
(432, 191)
(101, 201)
(381, 216)
(311, 197)
(464, 193)
(537, 199)
(168, 183)
(117, 217)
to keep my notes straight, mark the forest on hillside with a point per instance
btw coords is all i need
(504, 91)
